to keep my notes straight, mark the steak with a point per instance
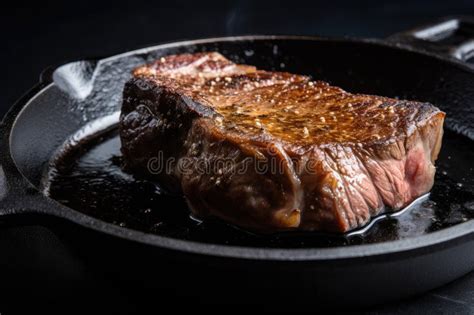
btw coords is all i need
(273, 151)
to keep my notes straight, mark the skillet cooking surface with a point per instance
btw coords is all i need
(76, 95)
(90, 181)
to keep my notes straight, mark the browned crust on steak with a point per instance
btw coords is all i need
(344, 157)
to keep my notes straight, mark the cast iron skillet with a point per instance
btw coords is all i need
(429, 64)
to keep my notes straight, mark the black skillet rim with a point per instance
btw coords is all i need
(24, 197)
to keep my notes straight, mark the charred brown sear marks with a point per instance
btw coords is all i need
(346, 157)
(289, 107)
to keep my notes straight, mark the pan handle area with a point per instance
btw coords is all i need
(452, 37)
(17, 195)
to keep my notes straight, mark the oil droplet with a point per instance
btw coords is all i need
(249, 52)
(275, 50)
(157, 226)
(454, 207)
(469, 205)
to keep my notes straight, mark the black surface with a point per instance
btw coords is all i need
(37, 252)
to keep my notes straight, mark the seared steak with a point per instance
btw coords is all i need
(272, 150)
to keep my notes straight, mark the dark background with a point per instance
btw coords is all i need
(46, 33)
(43, 34)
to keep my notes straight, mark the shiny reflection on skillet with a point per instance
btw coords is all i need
(87, 176)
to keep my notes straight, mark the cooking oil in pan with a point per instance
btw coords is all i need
(87, 176)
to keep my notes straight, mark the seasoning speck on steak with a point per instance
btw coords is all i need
(274, 151)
